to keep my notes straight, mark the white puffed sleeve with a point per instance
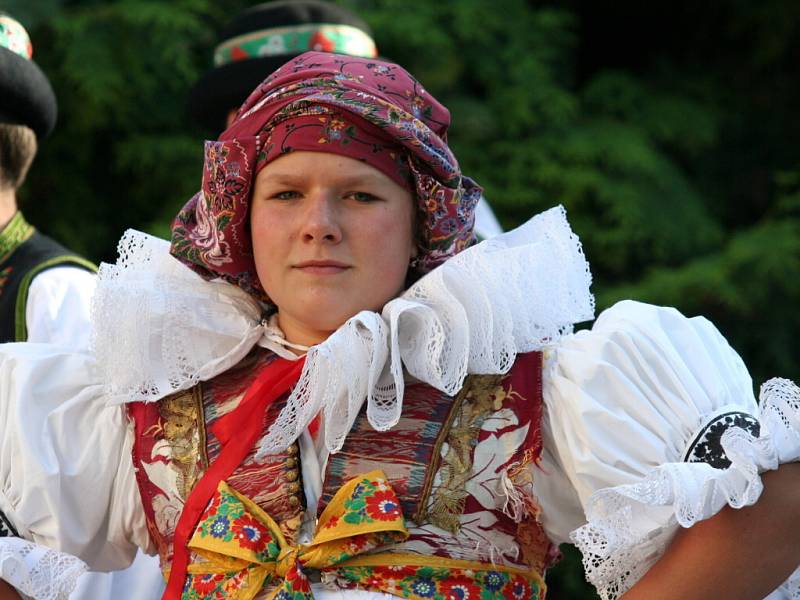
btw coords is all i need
(65, 466)
(650, 424)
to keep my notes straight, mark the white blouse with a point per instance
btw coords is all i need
(624, 402)
(57, 311)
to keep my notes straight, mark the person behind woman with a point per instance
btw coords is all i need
(44, 287)
(344, 396)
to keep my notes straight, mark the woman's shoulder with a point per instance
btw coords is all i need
(159, 328)
(651, 422)
(661, 324)
(645, 370)
(653, 345)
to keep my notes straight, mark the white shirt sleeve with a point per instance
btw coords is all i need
(66, 471)
(624, 403)
(486, 224)
(58, 307)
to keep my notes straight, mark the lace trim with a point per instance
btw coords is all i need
(38, 572)
(161, 328)
(514, 293)
(630, 526)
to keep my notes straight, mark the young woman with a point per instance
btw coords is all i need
(342, 396)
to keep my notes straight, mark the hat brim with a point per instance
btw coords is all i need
(227, 87)
(26, 96)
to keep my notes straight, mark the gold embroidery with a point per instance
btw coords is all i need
(480, 396)
(184, 430)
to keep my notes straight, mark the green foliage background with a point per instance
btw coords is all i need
(667, 129)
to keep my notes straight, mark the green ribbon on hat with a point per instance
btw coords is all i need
(14, 37)
(296, 39)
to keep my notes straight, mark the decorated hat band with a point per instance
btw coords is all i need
(296, 39)
(14, 37)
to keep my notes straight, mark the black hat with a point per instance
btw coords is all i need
(26, 97)
(261, 39)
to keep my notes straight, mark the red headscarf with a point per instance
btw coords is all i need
(358, 107)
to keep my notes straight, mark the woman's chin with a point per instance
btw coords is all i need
(310, 331)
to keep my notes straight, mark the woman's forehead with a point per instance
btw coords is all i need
(305, 166)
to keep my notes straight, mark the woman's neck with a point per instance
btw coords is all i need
(298, 336)
(8, 206)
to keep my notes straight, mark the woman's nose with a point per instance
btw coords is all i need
(320, 219)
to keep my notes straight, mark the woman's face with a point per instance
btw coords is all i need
(332, 236)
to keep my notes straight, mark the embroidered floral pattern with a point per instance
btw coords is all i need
(443, 583)
(707, 446)
(480, 396)
(482, 489)
(14, 37)
(372, 501)
(227, 520)
(296, 39)
(242, 549)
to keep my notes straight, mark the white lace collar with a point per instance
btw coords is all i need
(160, 328)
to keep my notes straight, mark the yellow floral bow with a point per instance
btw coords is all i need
(243, 547)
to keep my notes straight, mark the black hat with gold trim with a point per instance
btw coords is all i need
(26, 97)
(261, 39)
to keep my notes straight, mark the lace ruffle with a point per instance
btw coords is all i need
(630, 526)
(38, 572)
(161, 328)
(474, 314)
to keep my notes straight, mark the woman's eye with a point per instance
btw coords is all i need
(287, 195)
(362, 197)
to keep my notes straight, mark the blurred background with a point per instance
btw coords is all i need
(669, 130)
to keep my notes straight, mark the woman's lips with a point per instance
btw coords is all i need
(322, 267)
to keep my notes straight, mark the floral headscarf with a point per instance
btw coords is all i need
(359, 107)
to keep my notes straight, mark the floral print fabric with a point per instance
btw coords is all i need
(240, 548)
(243, 547)
(211, 233)
(327, 130)
(444, 583)
(14, 37)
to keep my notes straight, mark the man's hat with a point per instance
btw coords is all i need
(264, 37)
(26, 97)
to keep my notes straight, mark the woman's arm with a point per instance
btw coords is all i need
(7, 592)
(737, 554)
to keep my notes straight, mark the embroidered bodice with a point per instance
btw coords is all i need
(460, 467)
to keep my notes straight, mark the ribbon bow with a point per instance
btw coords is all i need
(244, 548)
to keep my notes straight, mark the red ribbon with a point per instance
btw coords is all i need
(238, 432)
